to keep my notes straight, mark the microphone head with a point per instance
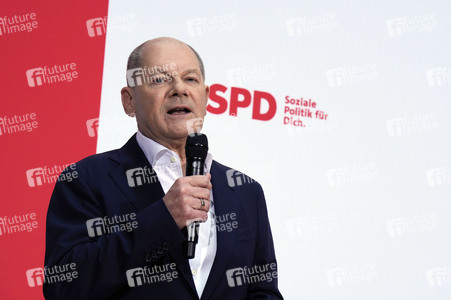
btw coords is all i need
(196, 146)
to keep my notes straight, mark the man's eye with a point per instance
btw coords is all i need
(157, 80)
(191, 79)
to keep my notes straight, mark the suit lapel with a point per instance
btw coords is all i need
(225, 203)
(131, 173)
(129, 158)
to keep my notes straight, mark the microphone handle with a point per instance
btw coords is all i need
(194, 166)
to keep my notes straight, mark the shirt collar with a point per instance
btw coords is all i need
(158, 154)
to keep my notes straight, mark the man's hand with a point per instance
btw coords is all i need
(183, 199)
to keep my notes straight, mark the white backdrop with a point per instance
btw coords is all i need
(359, 203)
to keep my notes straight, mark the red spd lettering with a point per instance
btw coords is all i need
(241, 98)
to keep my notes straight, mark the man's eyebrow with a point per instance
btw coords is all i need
(161, 71)
(191, 71)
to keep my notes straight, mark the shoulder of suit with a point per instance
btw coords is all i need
(228, 171)
(96, 161)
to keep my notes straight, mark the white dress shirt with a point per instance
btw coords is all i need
(166, 164)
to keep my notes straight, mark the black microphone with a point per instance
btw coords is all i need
(196, 149)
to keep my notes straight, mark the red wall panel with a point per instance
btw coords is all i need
(42, 127)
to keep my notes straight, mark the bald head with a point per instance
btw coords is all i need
(135, 60)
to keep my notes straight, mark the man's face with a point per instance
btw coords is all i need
(174, 94)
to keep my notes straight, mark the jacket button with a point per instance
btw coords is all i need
(160, 251)
(148, 258)
(154, 255)
(165, 246)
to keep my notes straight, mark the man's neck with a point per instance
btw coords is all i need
(175, 145)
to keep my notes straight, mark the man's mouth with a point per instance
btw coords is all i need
(179, 111)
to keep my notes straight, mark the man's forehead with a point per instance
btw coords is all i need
(168, 51)
(182, 59)
(169, 47)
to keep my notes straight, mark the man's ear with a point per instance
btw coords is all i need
(207, 93)
(127, 100)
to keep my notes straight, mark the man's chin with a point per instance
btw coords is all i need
(184, 124)
(178, 134)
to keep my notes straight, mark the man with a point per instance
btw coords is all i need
(120, 224)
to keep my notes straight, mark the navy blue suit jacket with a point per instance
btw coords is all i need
(101, 262)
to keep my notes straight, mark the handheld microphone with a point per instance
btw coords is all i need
(196, 149)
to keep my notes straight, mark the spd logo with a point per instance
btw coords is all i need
(241, 98)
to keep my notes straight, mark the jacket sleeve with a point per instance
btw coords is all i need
(100, 262)
(264, 256)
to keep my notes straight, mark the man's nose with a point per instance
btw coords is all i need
(178, 88)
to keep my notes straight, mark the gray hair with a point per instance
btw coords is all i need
(135, 59)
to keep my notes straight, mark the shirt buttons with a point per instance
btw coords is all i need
(173, 159)
(194, 272)
(165, 246)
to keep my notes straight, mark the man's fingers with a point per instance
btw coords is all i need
(183, 199)
(198, 192)
(200, 215)
(199, 181)
(196, 203)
